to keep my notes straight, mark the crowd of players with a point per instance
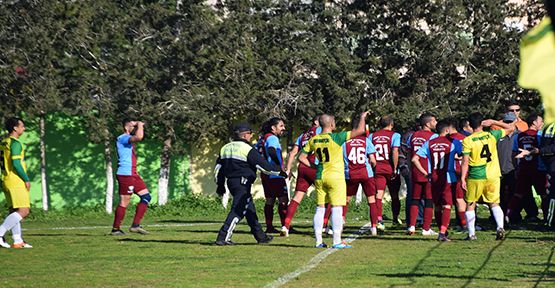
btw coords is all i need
(432, 158)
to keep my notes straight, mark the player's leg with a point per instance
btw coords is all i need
(305, 178)
(445, 202)
(460, 203)
(417, 190)
(473, 193)
(428, 210)
(352, 189)
(139, 188)
(540, 185)
(492, 197)
(550, 219)
(18, 199)
(318, 221)
(280, 187)
(369, 188)
(380, 181)
(515, 203)
(269, 204)
(394, 186)
(338, 199)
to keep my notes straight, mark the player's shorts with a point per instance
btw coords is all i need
(459, 191)
(485, 190)
(382, 180)
(333, 191)
(421, 190)
(442, 193)
(129, 184)
(305, 178)
(368, 186)
(274, 187)
(17, 196)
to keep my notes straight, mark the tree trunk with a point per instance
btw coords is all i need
(163, 180)
(109, 176)
(44, 187)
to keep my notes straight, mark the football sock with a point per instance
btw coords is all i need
(139, 213)
(337, 223)
(498, 215)
(291, 209)
(379, 208)
(428, 215)
(269, 215)
(16, 233)
(413, 214)
(462, 218)
(282, 211)
(9, 223)
(319, 223)
(471, 221)
(445, 218)
(373, 214)
(327, 215)
(120, 214)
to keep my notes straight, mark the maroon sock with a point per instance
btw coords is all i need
(269, 215)
(291, 209)
(373, 214)
(395, 207)
(445, 218)
(413, 214)
(345, 210)
(327, 215)
(437, 216)
(428, 215)
(282, 211)
(462, 218)
(118, 217)
(379, 209)
(139, 213)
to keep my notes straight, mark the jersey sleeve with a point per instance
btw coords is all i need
(124, 139)
(341, 137)
(498, 134)
(273, 142)
(433, 136)
(396, 140)
(408, 142)
(298, 141)
(318, 130)
(457, 147)
(309, 147)
(423, 151)
(467, 146)
(370, 148)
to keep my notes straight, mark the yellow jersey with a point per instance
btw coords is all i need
(328, 150)
(481, 147)
(11, 149)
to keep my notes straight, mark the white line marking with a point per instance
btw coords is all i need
(109, 227)
(316, 260)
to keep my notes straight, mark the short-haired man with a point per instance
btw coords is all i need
(129, 181)
(458, 193)
(330, 178)
(512, 106)
(481, 164)
(15, 183)
(236, 169)
(358, 155)
(387, 143)
(305, 175)
(421, 187)
(440, 153)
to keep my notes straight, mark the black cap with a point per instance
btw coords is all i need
(242, 127)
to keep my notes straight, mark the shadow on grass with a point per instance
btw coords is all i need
(208, 243)
(189, 221)
(546, 271)
(411, 275)
(66, 235)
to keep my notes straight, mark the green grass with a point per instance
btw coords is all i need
(183, 256)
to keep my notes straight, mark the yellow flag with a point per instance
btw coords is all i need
(537, 65)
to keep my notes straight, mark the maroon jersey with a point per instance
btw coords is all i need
(458, 163)
(527, 140)
(355, 156)
(302, 140)
(384, 141)
(416, 141)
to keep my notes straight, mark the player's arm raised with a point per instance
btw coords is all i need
(139, 134)
(361, 127)
(509, 128)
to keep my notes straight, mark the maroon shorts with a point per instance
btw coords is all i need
(382, 180)
(130, 184)
(368, 186)
(442, 193)
(421, 190)
(274, 187)
(459, 192)
(305, 178)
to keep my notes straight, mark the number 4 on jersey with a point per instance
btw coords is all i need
(485, 153)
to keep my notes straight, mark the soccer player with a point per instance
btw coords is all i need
(358, 157)
(305, 175)
(129, 181)
(530, 172)
(421, 187)
(458, 193)
(330, 178)
(15, 183)
(481, 165)
(440, 153)
(236, 168)
(274, 185)
(387, 143)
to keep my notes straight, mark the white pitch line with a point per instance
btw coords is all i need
(109, 227)
(316, 260)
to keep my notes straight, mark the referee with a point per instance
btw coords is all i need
(236, 168)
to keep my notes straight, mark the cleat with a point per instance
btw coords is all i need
(284, 232)
(267, 239)
(342, 245)
(321, 245)
(380, 226)
(374, 231)
(443, 238)
(429, 233)
(3, 243)
(21, 245)
(500, 234)
(272, 230)
(224, 243)
(411, 231)
(117, 232)
(138, 229)
(471, 238)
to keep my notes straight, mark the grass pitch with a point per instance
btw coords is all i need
(179, 253)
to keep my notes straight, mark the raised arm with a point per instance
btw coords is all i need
(361, 127)
(139, 134)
